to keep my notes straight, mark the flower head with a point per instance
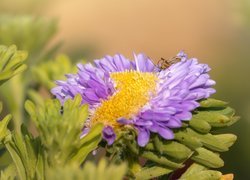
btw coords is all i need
(136, 93)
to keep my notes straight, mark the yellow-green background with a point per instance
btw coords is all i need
(216, 32)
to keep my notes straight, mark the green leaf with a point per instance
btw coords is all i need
(32, 152)
(197, 171)
(88, 144)
(194, 168)
(152, 172)
(227, 139)
(157, 143)
(29, 33)
(11, 62)
(204, 175)
(207, 158)
(200, 125)
(41, 164)
(90, 171)
(28, 149)
(173, 149)
(185, 138)
(9, 173)
(60, 131)
(17, 161)
(228, 111)
(133, 146)
(209, 141)
(212, 103)
(24, 151)
(160, 160)
(35, 97)
(47, 72)
(4, 131)
(3, 127)
(214, 118)
(31, 109)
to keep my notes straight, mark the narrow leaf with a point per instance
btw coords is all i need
(152, 172)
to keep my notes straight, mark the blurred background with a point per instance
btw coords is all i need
(216, 32)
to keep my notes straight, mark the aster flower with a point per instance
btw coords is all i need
(136, 93)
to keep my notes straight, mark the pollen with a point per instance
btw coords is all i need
(133, 90)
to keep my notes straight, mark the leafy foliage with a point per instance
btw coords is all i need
(90, 171)
(28, 33)
(58, 143)
(195, 141)
(60, 131)
(33, 35)
(8, 173)
(47, 72)
(11, 62)
(27, 154)
(197, 171)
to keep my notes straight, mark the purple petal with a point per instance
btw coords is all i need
(109, 134)
(143, 122)
(124, 121)
(181, 54)
(155, 115)
(121, 62)
(174, 123)
(143, 136)
(166, 133)
(184, 115)
(143, 63)
(85, 131)
(210, 82)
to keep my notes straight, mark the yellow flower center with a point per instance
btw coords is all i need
(133, 90)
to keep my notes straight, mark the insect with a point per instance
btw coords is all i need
(165, 63)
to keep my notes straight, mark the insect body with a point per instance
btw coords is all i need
(165, 63)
